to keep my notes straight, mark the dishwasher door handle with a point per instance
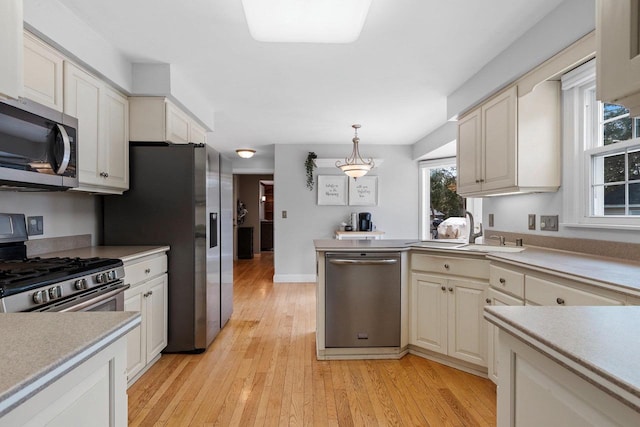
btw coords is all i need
(363, 261)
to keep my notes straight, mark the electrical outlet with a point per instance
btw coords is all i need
(284, 214)
(549, 222)
(532, 221)
(35, 225)
(490, 220)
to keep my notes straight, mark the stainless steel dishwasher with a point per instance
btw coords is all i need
(362, 299)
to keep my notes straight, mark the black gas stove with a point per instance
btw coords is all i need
(50, 284)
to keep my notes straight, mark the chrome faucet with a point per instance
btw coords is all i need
(502, 239)
(472, 236)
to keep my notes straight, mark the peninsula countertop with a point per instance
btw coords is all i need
(40, 348)
(600, 344)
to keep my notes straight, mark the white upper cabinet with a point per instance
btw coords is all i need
(511, 143)
(43, 73)
(11, 62)
(618, 53)
(156, 119)
(103, 130)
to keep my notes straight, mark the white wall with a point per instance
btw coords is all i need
(559, 29)
(396, 213)
(64, 213)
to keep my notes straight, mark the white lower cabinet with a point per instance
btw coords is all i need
(446, 317)
(149, 297)
(92, 394)
(497, 298)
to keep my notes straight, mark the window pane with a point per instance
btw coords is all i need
(613, 110)
(634, 199)
(617, 130)
(445, 202)
(614, 200)
(634, 165)
(614, 168)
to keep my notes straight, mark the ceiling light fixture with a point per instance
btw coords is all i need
(354, 165)
(304, 21)
(245, 153)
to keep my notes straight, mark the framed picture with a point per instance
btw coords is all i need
(332, 190)
(363, 191)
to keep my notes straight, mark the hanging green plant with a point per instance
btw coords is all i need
(309, 164)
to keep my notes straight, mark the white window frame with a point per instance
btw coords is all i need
(474, 205)
(580, 133)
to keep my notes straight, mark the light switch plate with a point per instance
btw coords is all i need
(35, 225)
(490, 220)
(549, 222)
(532, 221)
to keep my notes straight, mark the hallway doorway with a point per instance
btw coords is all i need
(254, 215)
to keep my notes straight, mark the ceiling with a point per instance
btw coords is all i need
(393, 80)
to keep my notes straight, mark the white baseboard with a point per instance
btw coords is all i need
(294, 278)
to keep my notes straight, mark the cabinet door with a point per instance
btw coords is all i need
(11, 48)
(428, 323)
(136, 342)
(114, 145)
(499, 134)
(496, 299)
(43, 71)
(156, 313)
(467, 328)
(469, 155)
(197, 134)
(82, 100)
(177, 125)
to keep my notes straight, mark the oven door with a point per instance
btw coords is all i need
(106, 298)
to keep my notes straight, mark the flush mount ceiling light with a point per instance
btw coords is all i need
(354, 165)
(305, 21)
(245, 153)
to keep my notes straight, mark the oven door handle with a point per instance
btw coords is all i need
(93, 301)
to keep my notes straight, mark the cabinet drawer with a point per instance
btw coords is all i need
(543, 292)
(145, 269)
(478, 268)
(506, 280)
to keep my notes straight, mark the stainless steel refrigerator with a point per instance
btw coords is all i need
(181, 195)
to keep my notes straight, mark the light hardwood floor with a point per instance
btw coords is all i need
(262, 370)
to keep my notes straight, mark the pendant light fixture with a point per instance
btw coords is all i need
(354, 166)
(245, 153)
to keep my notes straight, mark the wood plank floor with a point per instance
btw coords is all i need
(262, 371)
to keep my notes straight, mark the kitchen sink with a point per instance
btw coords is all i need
(489, 248)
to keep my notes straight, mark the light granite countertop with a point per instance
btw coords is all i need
(600, 344)
(611, 271)
(125, 253)
(39, 348)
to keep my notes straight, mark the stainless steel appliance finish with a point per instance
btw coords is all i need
(54, 284)
(175, 199)
(362, 299)
(38, 147)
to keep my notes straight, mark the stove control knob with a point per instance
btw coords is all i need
(80, 284)
(111, 275)
(40, 297)
(55, 292)
(101, 278)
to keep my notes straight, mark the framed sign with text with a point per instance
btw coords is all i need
(363, 191)
(332, 190)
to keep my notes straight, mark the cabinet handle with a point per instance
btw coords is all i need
(488, 300)
(147, 270)
(502, 281)
(150, 293)
(146, 294)
(477, 181)
(450, 289)
(446, 266)
(443, 288)
(481, 180)
(560, 301)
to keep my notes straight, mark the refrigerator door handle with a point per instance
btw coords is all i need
(213, 229)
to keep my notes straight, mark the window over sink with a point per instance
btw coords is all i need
(602, 156)
(439, 201)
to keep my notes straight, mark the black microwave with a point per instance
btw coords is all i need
(38, 147)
